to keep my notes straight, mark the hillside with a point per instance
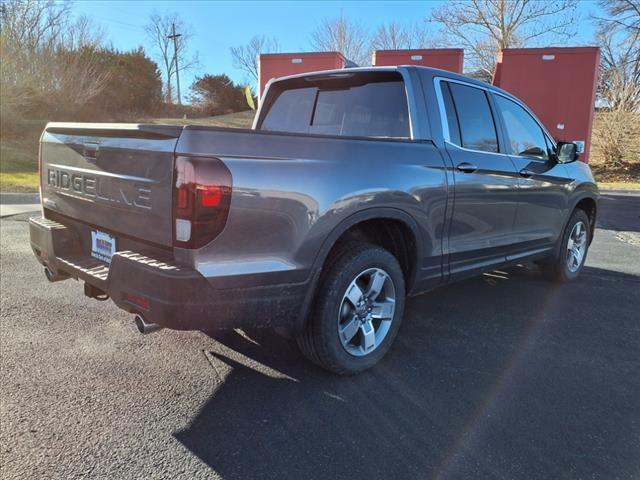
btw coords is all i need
(19, 150)
(19, 146)
(232, 120)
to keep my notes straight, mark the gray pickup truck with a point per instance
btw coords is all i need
(353, 189)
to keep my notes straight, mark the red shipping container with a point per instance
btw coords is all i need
(558, 84)
(273, 65)
(450, 59)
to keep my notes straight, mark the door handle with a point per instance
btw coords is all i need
(526, 173)
(466, 167)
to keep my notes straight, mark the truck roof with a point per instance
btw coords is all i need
(435, 71)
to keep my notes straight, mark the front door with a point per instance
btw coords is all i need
(485, 183)
(542, 202)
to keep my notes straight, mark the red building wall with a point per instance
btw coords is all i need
(558, 84)
(444, 58)
(272, 65)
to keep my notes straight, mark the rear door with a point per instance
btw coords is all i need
(117, 178)
(486, 181)
(542, 181)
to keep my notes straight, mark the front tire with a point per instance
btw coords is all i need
(357, 312)
(571, 254)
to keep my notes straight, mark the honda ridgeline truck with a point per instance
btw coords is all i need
(353, 189)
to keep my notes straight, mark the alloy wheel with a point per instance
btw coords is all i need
(366, 311)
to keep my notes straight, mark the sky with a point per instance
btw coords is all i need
(219, 25)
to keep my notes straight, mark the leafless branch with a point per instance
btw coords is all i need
(483, 27)
(345, 36)
(47, 57)
(245, 57)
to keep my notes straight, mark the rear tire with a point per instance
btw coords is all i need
(571, 254)
(357, 312)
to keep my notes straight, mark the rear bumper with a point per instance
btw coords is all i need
(163, 292)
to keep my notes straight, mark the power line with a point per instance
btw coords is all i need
(118, 22)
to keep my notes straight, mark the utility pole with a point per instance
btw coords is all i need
(174, 37)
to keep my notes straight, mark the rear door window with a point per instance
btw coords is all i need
(452, 118)
(477, 127)
(374, 109)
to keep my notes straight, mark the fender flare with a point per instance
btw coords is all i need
(582, 195)
(579, 195)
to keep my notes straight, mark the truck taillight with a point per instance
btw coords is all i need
(201, 198)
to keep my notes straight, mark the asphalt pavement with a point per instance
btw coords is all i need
(503, 376)
(18, 203)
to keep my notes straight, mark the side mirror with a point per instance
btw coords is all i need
(566, 152)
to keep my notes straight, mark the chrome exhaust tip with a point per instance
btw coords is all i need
(54, 277)
(144, 327)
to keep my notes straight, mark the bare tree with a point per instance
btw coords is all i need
(616, 134)
(33, 24)
(619, 84)
(484, 27)
(622, 15)
(83, 33)
(619, 39)
(396, 36)
(158, 30)
(245, 57)
(342, 35)
(41, 47)
(391, 36)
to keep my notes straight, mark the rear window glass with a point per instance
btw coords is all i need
(477, 128)
(376, 109)
(291, 112)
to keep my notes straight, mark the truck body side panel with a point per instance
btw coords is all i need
(291, 191)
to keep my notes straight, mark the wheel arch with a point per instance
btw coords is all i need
(589, 204)
(413, 240)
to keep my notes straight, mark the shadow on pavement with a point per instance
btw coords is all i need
(502, 376)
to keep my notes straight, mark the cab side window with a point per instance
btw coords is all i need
(524, 136)
(470, 106)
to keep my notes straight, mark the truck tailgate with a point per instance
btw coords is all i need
(117, 177)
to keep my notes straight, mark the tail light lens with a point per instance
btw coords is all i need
(201, 199)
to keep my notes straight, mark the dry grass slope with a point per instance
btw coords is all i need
(19, 148)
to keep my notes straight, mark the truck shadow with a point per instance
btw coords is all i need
(499, 376)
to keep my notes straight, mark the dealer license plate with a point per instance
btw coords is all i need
(103, 246)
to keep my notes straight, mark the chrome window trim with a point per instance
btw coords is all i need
(475, 151)
(445, 124)
(412, 106)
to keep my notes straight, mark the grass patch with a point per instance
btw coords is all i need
(619, 185)
(19, 182)
(625, 172)
(19, 146)
(19, 152)
(19, 164)
(232, 120)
